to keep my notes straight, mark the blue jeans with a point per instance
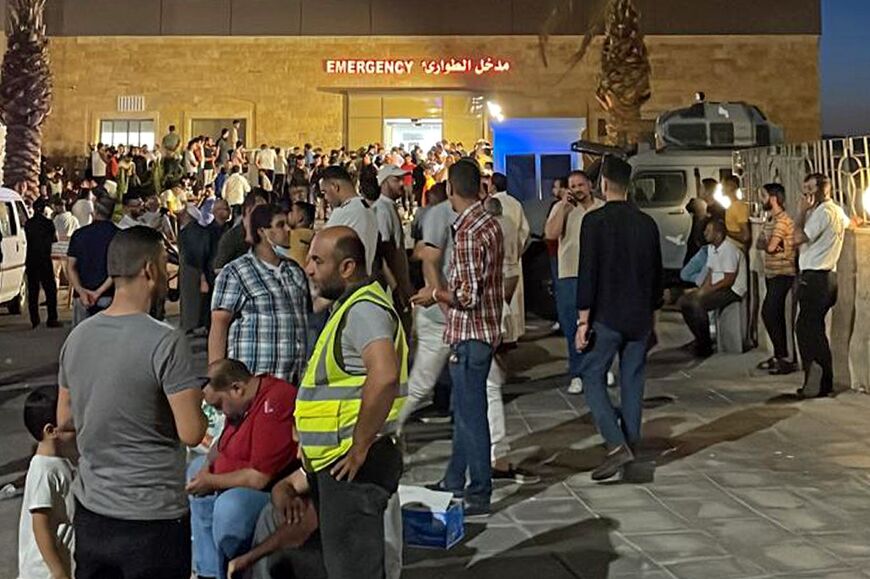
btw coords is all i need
(222, 525)
(566, 309)
(617, 425)
(469, 367)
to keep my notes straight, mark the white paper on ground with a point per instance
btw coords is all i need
(420, 497)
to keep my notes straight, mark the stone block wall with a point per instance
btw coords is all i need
(280, 86)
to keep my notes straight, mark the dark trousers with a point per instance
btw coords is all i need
(616, 425)
(773, 313)
(817, 294)
(109, 548)
(695, 308)
(269, 175)
(351, 514)
(469, 366)
(41, 277)
(278, 186)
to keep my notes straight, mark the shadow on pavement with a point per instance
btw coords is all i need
(584, 549)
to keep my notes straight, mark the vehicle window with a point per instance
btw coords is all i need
(7, 221)
(23, 215)
(659, 189)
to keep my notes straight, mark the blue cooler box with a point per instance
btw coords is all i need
(433, 530)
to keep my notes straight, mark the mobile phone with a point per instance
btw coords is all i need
(590, 339)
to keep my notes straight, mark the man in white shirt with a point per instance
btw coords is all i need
(99, 158)
(819, 233)
(235, 190)
(349, 209)
(724, 284)
(65, 223)
(83, 208)
(133, 209)
(564, 225)
(265, 160)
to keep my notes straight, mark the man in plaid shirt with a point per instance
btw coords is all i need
(474, 296)
(261, 303)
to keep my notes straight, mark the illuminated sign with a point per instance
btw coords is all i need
(432, 67)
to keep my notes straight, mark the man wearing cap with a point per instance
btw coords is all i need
(618, 291)
(391, 254)
(86, 262)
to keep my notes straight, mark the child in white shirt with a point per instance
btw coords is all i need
(45, 532)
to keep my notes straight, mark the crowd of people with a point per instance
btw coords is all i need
(312, 293)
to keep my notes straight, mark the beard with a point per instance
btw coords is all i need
(767, 206)
(331, 289)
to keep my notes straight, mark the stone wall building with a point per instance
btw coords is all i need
(282, 66)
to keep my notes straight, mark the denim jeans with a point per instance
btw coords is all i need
(616, 425)
(470, 362)
(222, 524)
(566, 308)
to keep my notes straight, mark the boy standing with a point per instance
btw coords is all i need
(45, 533)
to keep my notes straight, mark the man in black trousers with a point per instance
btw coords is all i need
(619, 288)
(40, 233)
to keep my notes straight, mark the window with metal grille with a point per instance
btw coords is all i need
(133, 132)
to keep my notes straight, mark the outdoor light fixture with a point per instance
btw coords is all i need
(865, 201)
(740, 194)
(720, 197)
(495, 110)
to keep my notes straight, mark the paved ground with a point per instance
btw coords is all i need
(743, 480)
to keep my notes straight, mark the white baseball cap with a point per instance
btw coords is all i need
(389, 170)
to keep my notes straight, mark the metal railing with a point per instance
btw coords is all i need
(845, 161)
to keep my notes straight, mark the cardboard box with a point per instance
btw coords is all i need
(430, 519)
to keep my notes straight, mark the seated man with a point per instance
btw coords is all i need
(229, 488)
(724, 284)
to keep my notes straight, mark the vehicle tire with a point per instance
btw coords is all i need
(16, 304)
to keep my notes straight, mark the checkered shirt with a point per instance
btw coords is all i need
(476, 279)
(269, 331)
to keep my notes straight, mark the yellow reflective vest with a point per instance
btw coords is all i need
(330, 397)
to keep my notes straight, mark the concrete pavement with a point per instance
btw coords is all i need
(743, 480)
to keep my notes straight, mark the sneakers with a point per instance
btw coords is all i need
(576, 386)
(613, 462)
(474, 510)
(517, 475)
(439, 487)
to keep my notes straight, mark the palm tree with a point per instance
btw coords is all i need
(624, 79)
(25, 92)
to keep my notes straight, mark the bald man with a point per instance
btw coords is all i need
(353, 465)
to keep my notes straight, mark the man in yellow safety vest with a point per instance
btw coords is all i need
(346, 410)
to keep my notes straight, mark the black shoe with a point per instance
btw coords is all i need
(516, 475)
(615, 460)
(440, 488)
(769, 364)
(54, 324)
(34, 325)
(782, 368)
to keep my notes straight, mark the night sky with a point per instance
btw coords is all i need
(845, 67)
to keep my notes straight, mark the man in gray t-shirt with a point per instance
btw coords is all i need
(435, 251)
(128, 391)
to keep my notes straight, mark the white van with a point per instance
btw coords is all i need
(662, 183)
(13, 216)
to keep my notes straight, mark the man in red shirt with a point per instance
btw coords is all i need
(230, 486)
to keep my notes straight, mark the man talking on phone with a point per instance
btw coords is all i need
(564, 225)
(819, 233)
(618, 291)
